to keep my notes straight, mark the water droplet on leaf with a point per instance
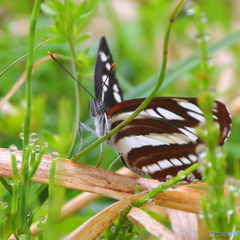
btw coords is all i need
(32, 138)
(37, 148)
(168, 177)
(21, 135)
(181, 174)
(113, 228)
(189, 8)
(13, 148)
(135, 234)
(101, 237)
(3, 217)
(190, 177)
(55, 155)
(151, 202)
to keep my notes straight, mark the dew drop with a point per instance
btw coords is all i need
(190, 177)
(42, 218)
(190, 11)
(3, 204)
(201, 169)
(203, 17)
(209, 164)
(206, 37)
(29, 214)
(40, 226)
(37, 148)
(32, 138)
(196, 180)
(211, 64)
(135, 234)
(55, 155)
(189, 8)
(174, 186)
(200, 216)
(169, 177)
(45, 144)
(21, 135)
(151, 202)
(120, 232)
(210, 215)
(201, 148)
(219, 153)
(203, 126)
(201, 151)
(18, 165)
(181, 174)
(13, 148)
(231, 188)
(146, 198)
(199, 38)
(113, 228)
(42, 221)
(3, 217)
(230, 212)
(22, 127)
(101, 237)
(23, 236)
(236, 194)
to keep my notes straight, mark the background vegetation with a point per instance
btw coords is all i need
(135, 31)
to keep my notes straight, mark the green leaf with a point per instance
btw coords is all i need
(47, 9)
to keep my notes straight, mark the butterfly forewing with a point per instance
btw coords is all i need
(105, 81)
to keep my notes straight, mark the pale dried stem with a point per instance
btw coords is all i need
(83, 177)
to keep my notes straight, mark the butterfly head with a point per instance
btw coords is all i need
(97, 107)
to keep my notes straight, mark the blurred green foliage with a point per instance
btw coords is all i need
(135, 31)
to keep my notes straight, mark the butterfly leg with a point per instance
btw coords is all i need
(100, 156)
(81, 139)
(110, 166)
(86, 127)
(91, 130)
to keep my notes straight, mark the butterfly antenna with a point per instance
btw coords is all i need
(51, 55)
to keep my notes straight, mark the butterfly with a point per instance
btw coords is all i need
(162, 139)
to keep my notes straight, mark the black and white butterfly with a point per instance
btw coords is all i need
(161, 140)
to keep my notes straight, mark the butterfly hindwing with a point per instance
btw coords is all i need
(162, 139)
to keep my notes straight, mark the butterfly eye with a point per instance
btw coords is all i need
(97, 107)
(100, 107)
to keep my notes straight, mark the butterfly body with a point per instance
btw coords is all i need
(162, 139)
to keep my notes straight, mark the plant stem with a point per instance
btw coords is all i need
(203, 46)
(164, 186)
(29, 66)
(78, 95)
